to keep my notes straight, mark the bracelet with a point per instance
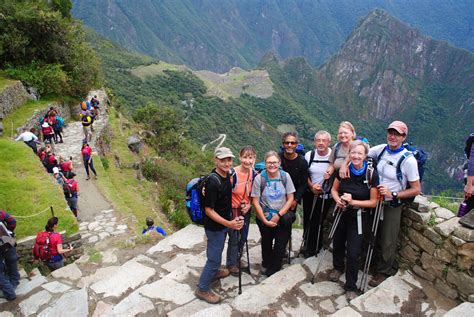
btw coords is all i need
(278, 213)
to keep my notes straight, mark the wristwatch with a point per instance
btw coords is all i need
(395, 195)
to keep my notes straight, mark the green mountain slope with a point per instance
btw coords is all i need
(218, 35)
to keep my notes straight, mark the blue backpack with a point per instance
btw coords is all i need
(421, 157)
(195, 192)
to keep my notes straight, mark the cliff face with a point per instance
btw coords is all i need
(12, 96)
(385, 65)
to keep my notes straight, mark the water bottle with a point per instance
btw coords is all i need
(462, 209)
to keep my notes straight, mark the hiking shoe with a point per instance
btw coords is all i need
(208, 296)
(87, 178)
(335, 275)
(223, 272)
(350, 295)
(377, 279)
(234, 270)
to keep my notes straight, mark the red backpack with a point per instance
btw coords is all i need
(41, 249)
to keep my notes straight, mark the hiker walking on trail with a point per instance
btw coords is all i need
(29, 138)
(95, 106)
(218, 207)
(345, 134)
(313, 211)
(352, 196)
(48, 132)
(9, 275)
(394, 190)
(86, 121)
(51, 242)
(242, 180)
(272, 196)
(86, 152)
(70, 190)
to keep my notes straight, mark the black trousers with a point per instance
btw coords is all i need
(274, 242)
(347, 244)
(310, 230)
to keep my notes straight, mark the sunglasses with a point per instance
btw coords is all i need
(290, 143)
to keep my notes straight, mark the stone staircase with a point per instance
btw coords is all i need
(160, 281)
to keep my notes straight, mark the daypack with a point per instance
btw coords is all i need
(86, 121)
(234, 180)
(67, 188)
(42, 247)
(59, 122)
(420, 155)
(195, 192)
(467, 149)
(6, 240)
(47, 163)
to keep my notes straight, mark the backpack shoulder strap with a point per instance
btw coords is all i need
(380, 154)
(311, 157)
(233, 179)
(399, 166)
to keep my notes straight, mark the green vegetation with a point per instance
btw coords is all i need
(26, 189)
(43, 47)
(18, 118)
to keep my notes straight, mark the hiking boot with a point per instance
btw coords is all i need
(234, 270)
(350, 295)
(223, 272)
(335, 275)
(87, 178)
(377, 279)
(208, 296)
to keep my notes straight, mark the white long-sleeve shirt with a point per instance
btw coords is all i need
(26, 136)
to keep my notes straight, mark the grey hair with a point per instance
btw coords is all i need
(323, 132)
(270, 154)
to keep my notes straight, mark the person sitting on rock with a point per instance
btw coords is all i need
(152, 230)
(55, 246)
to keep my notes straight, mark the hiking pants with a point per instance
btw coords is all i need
(274, 241)
(313, 226)
(32, 145)
(234, 242)
(9, 276)
(387, 240)
(347, 244)
(57, 133)
(90, 165)
(215, 246)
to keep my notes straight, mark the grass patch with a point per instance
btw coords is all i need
(19, 116)
(5, 82)
(130, 196)
(94, 256)
(26, 189)
(143, 71)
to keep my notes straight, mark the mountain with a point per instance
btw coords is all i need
(218, 35)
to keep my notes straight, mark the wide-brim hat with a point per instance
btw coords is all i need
(45, 125)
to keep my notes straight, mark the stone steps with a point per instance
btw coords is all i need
(162, 282)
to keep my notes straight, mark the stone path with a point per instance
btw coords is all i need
(160, 280)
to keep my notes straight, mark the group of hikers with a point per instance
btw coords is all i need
(349, 178)
(48, 247)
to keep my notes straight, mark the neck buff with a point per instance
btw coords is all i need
(358, 172)
(394, 151)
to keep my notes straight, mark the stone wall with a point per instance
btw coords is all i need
(34, 121)
(25, 247)
(12, 96)
(436, 247)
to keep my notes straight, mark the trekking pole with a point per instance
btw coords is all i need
(324, 185)
(52, 211)
(304, 242)
(370, 250)
(248, 256)
(338, 212)
(239, 255)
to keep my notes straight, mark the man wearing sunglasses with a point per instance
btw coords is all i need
(295, 165)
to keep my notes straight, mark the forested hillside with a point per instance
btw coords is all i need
(218, 35)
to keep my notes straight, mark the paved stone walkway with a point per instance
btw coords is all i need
(161, 280)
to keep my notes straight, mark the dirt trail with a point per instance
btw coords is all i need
(91, 201)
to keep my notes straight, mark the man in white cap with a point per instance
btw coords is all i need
(218, 206)
(394, 188)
